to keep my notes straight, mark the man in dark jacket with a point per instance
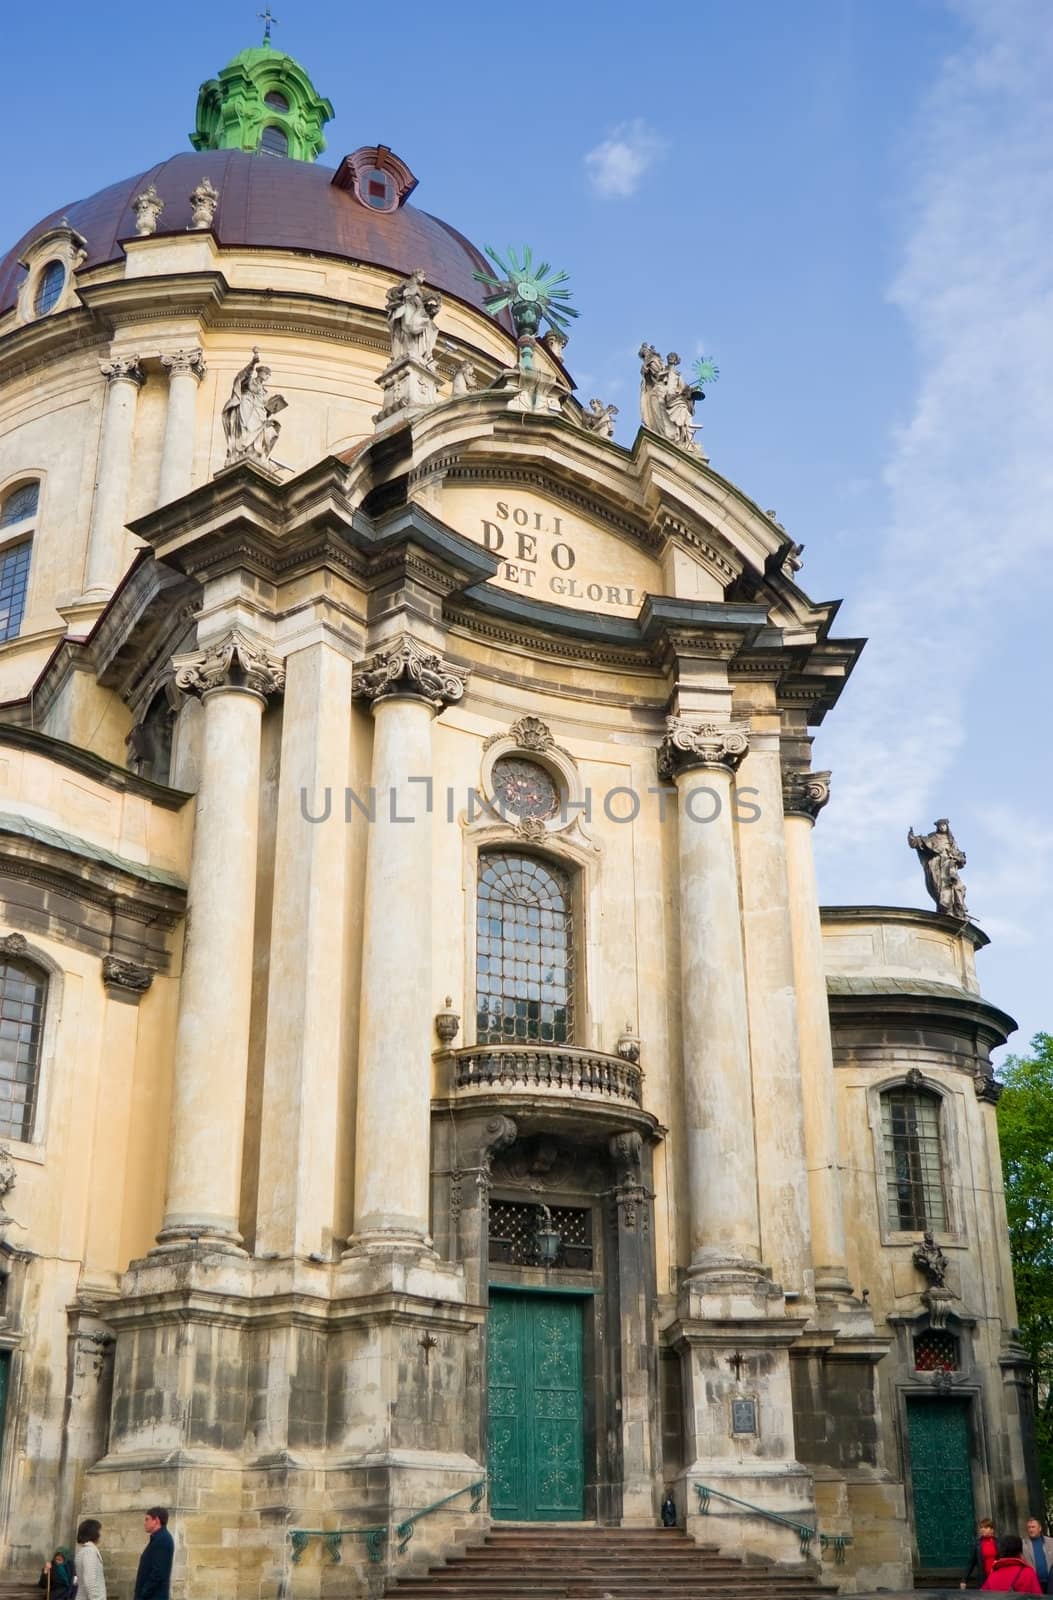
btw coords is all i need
(155, 1564)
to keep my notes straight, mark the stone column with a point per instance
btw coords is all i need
(782, 1174)
(722, 1168)
(306, 1119)
(185, 369)
(406, 685)
(804, 795)
(124, 378)
(233, 676)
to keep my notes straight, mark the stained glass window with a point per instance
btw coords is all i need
(49, 287)
(913, 1160)
(524, 951)
(14, 580)
(22, 992)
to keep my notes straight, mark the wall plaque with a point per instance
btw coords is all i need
(744, 1416)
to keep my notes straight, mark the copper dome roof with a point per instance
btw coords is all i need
(267, 203)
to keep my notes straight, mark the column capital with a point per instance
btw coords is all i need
(407, 668)
(690, 742)
(126, 369)
(804, 794)
(185, 363)
(235, 661)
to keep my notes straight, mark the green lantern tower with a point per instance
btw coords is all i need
(263, 100)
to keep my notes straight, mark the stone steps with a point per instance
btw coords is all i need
(560, 1561)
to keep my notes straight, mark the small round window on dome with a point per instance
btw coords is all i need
(276, 101)
(274, 142)
(377, 189)
(49, 287)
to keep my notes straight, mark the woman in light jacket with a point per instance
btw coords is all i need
(91, 1580)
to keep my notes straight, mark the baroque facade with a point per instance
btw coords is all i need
(427, 1076)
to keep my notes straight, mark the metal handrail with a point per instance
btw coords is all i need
(375, 1538)
(835, 1541)
(404, 1531)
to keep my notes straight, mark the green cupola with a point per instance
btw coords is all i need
(262, 100)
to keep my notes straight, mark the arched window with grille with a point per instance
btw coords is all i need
(18, 514)
(23, 994)
(524, 951)
(910, 1121)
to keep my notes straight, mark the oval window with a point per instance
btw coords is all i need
(276, 101)
(377, 189)
(49, 287)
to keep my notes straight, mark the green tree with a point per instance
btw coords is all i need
(1025, 1126)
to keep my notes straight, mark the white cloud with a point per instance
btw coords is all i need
(616, 165)
(970, 476)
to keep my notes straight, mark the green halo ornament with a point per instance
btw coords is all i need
(705, 372)
(532, 294)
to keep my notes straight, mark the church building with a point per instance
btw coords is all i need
(431, 1094)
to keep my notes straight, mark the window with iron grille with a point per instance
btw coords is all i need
(23, 989)
(14, 581)
(913, 1160)
(514, 1234)
(524, 952)
(936, 1350)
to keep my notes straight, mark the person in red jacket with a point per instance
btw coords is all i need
(1010, 1573)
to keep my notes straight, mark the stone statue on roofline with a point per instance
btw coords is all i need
(250, 423)
(411, 311)
(599, 419)
(941, 861)
(667, 401)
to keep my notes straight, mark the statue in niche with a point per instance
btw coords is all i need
(411, 311)
(599, 419)
(941, 861)
(250, 423)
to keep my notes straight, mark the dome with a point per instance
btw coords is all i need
(267, 204)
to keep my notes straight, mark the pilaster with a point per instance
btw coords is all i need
(186, 369)
(106, 536)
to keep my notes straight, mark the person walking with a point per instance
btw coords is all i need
(57, 1577)
(1011, 1573)
(985, 1553)
(155, 1564)
(1038, 1553)
(91, 1580)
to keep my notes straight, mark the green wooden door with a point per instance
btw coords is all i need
(536, 1445)
(941, 1482)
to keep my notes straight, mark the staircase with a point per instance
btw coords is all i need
(546, 1561)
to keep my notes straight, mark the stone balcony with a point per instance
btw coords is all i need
(561, 1071)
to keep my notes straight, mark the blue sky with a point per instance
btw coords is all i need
(850, 206)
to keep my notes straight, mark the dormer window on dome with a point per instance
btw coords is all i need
(50, 262)
(376, 177)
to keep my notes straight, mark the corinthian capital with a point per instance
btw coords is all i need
(234, 662)
(804, 794)
(184, 363)
(689, 743)
(406, 668)
(123, 369)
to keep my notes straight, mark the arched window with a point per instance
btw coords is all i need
(23, 990)
(910, 1120)
(49, 287)
(524, 951)
(274, 141)
(275, 100)
(17, 507)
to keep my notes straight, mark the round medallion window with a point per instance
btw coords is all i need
(525, 789)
